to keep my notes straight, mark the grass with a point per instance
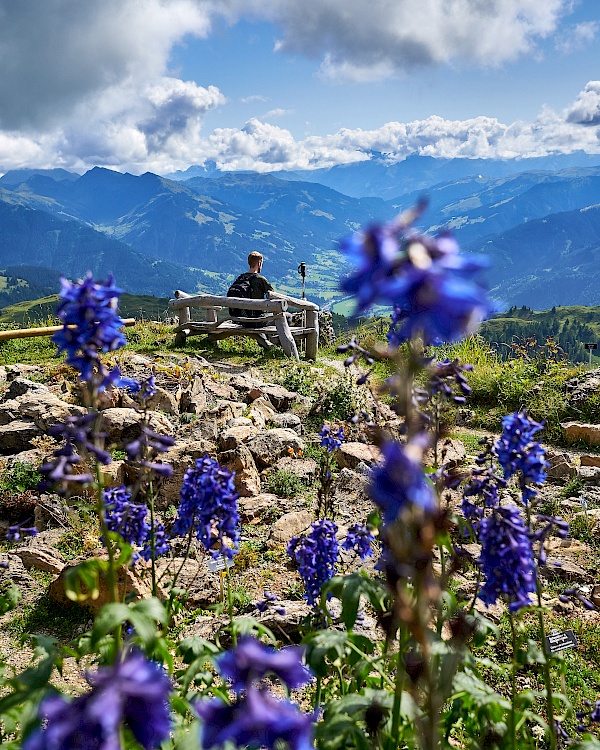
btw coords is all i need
(48, 617)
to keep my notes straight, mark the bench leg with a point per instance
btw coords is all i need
(312, 339)
(180, 338)
(285, 337)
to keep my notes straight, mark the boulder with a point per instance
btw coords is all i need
(280, 397)
(129, 584)
(349, 455)
(113, 474)
(19, 386)
(253, 508)
(124, 425)
(273, 444)
(576, 432)
(50, 510)
(220, 390)
(46, 409)
(17, 436)
(590, 476)
(233, 437)
(192, 399)
(288, 419)
(202, 587)
(181, 456)
(41, 558)
(290, 525)
(260, 411)
(224, 411)
(163, 401)
(565, 570)
(560, 465)
(580, 389)
(306, 469)
(240, 460)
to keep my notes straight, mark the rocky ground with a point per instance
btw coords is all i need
(266, 434)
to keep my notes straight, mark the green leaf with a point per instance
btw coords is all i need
(349, 590)
(82, 582)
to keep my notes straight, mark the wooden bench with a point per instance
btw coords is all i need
(274, 324)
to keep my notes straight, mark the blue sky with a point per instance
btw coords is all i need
(158, 85)
(241, 60)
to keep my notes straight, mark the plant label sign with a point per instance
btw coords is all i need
(557, 641)
(589, 347)
(219, 564)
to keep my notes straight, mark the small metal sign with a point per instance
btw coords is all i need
(219, 564)
(589, 347)
(558, 641)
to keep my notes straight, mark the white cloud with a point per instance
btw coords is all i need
(278, 112)
(265, 147)
(365, 40)
(585, 110)
(253, 98)
(574, 38)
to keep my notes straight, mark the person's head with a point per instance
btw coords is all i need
(255, 261)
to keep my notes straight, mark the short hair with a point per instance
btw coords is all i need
(254, 258)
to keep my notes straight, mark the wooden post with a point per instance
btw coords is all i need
(285, 337)
(26, 333)
(312, 339)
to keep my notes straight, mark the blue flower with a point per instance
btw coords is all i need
(208, 505)
(91, 326)
(507, 559)
(518, 453)
(161, 543)
(134, 692)
(251, 660)
(434, 292)
(316, 557)
(400, 482)
(359, 539)
(14, 533)
(147, 447)
(331, 440)
(257, 720)
(129, 384)
(125, 517)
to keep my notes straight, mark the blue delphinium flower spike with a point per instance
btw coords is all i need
(316, 556)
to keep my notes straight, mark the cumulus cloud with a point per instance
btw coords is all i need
(585, 110)
(363, 41)
(266, 147)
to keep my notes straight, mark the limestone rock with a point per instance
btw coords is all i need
(260, 411)
(580, 389)
(20, 386)
(129, 584)
(240, 422)
(46, 409)
(580, 432)
(349, 455)
(224, 411)
(181, 456)
(41, 558)
(590, 475)
(560, 465)
(164, 401)
(253, 508)
(566, 570)
(220, 390)
(240, 460)
(288, 623)
(290, 525)
(273, 444)
(113, 474)
(288, 419)
(50, 510)
(123, 425)
(192, 399)
(306, 469)
(280, 397)
(17, 436)
(233, 437)
(202, 587)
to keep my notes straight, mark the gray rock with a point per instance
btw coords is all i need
(273, 444)
(50, 510)
(288, 419)
(240, 460)
(181, 456)
(123, 425)
(41, 558)
(224, 411)
(565, 570)
(164, 401)
(192, 399)
(349, 455)
(253, 508)
(290, 525)
(233, 437)
(45, 409)
(581, 432)
(560, 465)
(17, 436)
(590, 475)
(306, 469)
(202, 587)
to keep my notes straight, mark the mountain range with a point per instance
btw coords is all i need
(537, 219)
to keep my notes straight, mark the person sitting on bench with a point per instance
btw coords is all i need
(252, 285)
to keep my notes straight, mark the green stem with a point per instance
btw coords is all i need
(152, 535)
(398, 690)
(547, 673)
(317, 694)
(230, 604)
(513, 686)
